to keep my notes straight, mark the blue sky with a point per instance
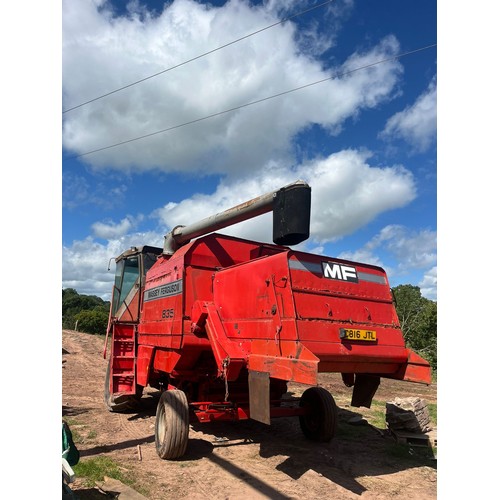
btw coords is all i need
(364, 138)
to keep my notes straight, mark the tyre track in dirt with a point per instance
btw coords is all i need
(242, 460)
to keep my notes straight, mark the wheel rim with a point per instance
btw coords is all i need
(161, 425)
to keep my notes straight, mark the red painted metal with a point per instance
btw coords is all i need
(207, 412)
(219, 306)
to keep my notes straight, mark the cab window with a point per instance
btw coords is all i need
(126, 276)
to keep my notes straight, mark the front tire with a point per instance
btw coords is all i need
(172, 425)
(320, 422)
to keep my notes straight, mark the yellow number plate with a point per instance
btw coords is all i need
(350, 334)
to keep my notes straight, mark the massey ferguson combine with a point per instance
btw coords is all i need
(220, 325)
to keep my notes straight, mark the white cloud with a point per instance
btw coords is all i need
(347, 193)
(309, 38)
(416, 124)
(75, 190)
(102, 53)
(85, 263)
(110, 230)
(78, 191)
(428, 285)
(411, 250)
(364, 255)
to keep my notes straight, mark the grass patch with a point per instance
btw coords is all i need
(352, 432)
(94, 469)
(92, 434)
(423, 455)
(80, 432)
(376, 414)
(377, 418)
(432, 407)
(75, 434)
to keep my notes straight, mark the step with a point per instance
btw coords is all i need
(123, 374)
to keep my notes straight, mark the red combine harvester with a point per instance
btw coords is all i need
(220, 325)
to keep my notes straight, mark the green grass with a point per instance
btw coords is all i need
(93, 470)
(352, 432)
(377, 418)
(419, 454)
(376, 414)
(432, 407)
(80, 432)
(75, 434)
(92, 435)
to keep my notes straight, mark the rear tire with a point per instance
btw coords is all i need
(320, 423)
(124, 402)
(172, 425)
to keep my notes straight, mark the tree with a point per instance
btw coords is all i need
(92, 321)
(73, 304)
(418, 318)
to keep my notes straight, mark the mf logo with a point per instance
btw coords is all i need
(336, 271)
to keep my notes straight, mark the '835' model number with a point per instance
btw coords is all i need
(167, 314)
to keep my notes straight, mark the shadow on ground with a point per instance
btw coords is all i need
(356, 451)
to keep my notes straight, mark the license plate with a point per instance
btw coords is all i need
(350, 334)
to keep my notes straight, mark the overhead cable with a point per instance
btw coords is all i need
(191, 122)
(198, 57)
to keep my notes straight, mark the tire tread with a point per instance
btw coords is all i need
(174, 408)
(325, 409)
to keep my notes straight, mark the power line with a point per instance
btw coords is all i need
(393, 58)
(198, 57)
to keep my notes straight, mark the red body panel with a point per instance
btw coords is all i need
(221, 306)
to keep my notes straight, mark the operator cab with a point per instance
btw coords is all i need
(130, 275)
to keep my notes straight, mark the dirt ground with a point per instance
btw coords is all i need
(244, 460)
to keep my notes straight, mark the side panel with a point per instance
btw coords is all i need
(162, 309)
(255, 304)
(174, 285)
(144, 359)
(255, 300)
